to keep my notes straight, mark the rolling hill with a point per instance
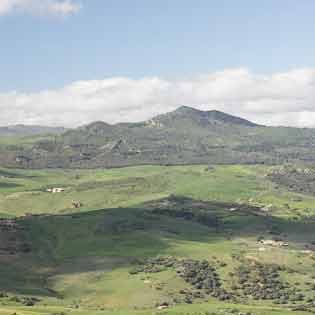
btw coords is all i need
(154, 239)
(193, 240)
(184, 136)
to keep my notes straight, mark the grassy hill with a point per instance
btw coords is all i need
(185, 136)
(209, 219)
(189, 237)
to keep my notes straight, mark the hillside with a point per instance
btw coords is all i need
(197, 240)
(184, 136)
(199, 118)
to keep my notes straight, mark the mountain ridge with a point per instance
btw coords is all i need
(29, 130)
(205, 116)
(183, 136)
(183, 110)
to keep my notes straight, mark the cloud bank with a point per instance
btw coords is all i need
(286, 98)
(39, 7)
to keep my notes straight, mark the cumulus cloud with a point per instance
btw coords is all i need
(276, 99)
(39, 7)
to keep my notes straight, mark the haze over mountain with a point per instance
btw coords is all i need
(29, 130)
(184, 136)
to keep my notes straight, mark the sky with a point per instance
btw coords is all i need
(70, 62)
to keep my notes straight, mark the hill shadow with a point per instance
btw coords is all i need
(9, 185)
(103, 240)
(17, 175)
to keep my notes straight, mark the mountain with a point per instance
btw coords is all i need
(202, 118)
(184, 136)
(29, 130)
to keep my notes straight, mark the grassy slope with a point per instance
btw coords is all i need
(23, 191)
(86, 257)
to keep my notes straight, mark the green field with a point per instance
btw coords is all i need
(81, 260)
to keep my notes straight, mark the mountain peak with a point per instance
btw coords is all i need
(187, 110)
(97, 124)
(211, 115)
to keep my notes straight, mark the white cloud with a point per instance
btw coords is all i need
(276, 99)
(39, 7)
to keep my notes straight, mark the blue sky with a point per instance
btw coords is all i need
(69, 62)
(167, 38)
